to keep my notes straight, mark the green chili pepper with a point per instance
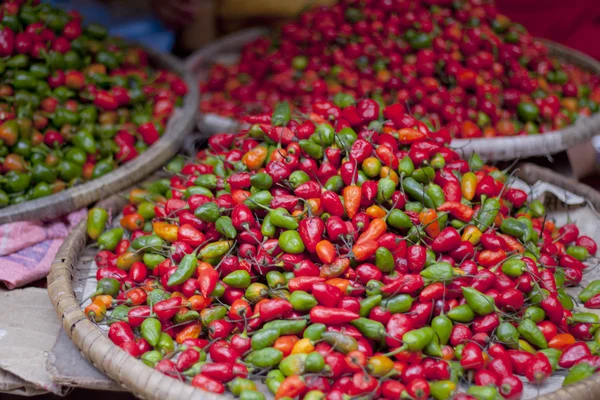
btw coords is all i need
(96, 221)
(315, 331)
(370, 329)
(281, 218)
(346, 137)
(150, 329)
(311, 148)
(399, 220)
(424, 175)
(578, 373)
(368, 303)
(475, 162)
(151, 358)
(85, 141)
(208, 181)
(208, 212)
(579, 252)
(534, 313)
(462, 313)
(261, 181)
(553, 356)
(302, 301)
(340, 342)
(265, 358)
(418, 339)
(148, 243)
(585, 317)
(406, 167)
(384, 260)
(532, 334)
(324, 135)
(565, 299)
(417, 191)
(118, 314)
(239, 279)
(442, 325)
(152, 260)
(16, 181)
(102, 167)
(335, 184)
(398, 304)
(385, 189)
(267, 228)
(274, 379)
(281, 115)
(184, 271)
(592, 289)
(96, 31)
(225, 227)
(109, 239)
(508, 335)
(483, 392)
(294, 364)
(291, 242)
(487, 214)
(442, 390)
(209, 315)
(165, 344)
(215, 249)
(264, 338)
(287, 327)
(414, 206)
(438, 272)
(240, 385)
(436, 194)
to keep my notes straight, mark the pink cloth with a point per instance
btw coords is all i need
(28, 248)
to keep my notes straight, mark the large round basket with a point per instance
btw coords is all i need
(146, 382)
(158, 154)
(228, 48)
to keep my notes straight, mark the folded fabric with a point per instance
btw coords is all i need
(27, 249)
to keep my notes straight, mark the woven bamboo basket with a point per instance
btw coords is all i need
(147, 383)
(228, 48)
(182, 122)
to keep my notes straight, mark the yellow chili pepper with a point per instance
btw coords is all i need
(471, 234)
(468, 184)
(379, 365)
(303, 346)
(165, 231)
(523, 345)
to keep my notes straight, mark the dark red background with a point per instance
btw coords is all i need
(574, 23)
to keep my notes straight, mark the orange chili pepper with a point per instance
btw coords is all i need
(239, 195)
(326, 251)
(296, 213)
(198, 302)
(95, 311)
(179, 294)
(278, 154)
(285, 344)
(352, 195)
(103, 299)
(317, 119)
(468, 184)
(428, 218)
(165, 231)
(315, 206)
(498, 219)
(376, 228)
(191, 331)
(255, 157)
(561, 341)
(376, 212)
(132, 222)
(339, 283)
(365, 249)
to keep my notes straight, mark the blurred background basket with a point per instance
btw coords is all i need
(227, 50)
(178, 127)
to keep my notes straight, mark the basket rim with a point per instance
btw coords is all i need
(129, 371)
(156, 155)
(493, 149)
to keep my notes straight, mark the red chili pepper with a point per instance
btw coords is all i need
(472, 357)
(311, 232)
(120, 332)
(520, 361)
(220, 371)
(166, 309)
(511, 388)
(304, 283)
(309, 190)
(274, 309)
(187, 358)
(332, 316)
(448, 240)
(568, 233)
(457, 210)
(539, 369)
(7, 42)
(208, 384)
(327, 295)
(573, 354)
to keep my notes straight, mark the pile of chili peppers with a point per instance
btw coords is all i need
(74, 103)
(369, 261)
(458, 64)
